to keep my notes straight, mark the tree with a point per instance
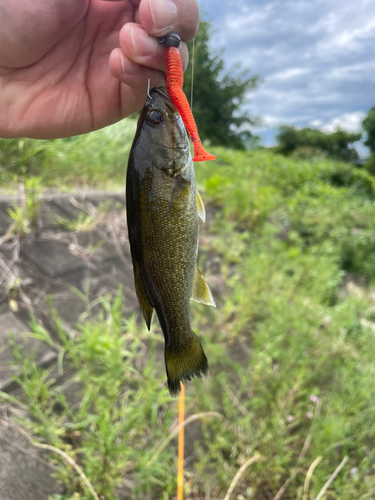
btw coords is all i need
(368, 125)
(218, 95)
(336, 145)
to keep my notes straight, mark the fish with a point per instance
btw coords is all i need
(163, 207)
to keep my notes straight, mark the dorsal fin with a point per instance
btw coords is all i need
(200, 205)
(201, 292)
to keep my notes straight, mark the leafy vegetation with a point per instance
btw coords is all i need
(85, 160)
(102, 433)
(289, 252)
(308, 142)
(25, 215)
(368, 126)
(219, 95)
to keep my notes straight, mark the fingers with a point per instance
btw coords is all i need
(134, 75)
(160, 17)
(144, 49)
(141, 57)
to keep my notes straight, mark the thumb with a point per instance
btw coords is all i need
(160, 17)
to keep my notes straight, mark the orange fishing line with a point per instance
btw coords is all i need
(180, 459)
(175, 80)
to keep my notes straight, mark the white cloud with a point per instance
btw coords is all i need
(271, 121)
(351, 122)
(316, 123)
(349, 37)
(238, 22)
(268, 122)
(290, 73)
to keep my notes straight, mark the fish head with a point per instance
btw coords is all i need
(162, 134)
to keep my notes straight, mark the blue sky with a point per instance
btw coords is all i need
(316, 58)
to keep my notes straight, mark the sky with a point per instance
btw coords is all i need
(316, 59)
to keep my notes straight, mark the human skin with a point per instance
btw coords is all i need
(68, 67)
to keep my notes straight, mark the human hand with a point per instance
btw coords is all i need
(68, 67)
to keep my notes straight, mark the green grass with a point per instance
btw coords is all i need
(291, 348)
(91, 160)
(25, 215)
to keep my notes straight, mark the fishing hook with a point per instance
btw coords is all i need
(148, 88)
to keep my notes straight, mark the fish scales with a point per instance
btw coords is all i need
(169, 239)
(163, 227)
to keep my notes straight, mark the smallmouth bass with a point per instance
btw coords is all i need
(163, 207)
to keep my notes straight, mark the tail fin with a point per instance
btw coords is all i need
(185, 364)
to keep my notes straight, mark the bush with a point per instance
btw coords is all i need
(370, 165)
(307, 140)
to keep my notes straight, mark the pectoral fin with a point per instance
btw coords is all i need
(142, 296)
(181, 185)
(200, 205)
(201, 292)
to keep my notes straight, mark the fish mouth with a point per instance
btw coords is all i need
(162, 92)
(159, 90)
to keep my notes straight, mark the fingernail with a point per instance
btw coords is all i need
(122, 62)
(163, 12)
(144, 45)
(128, 67)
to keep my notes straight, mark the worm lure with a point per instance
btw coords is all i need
(175, 80)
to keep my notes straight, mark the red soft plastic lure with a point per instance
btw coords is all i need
(175, 80)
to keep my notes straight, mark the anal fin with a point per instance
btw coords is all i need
(142, 296)
(201, 291)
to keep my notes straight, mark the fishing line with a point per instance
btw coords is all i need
(192, 77)
(181, 449)
(181, 399)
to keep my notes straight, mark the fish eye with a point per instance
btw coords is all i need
(155, 117)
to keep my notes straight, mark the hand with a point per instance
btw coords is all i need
(68, 67)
